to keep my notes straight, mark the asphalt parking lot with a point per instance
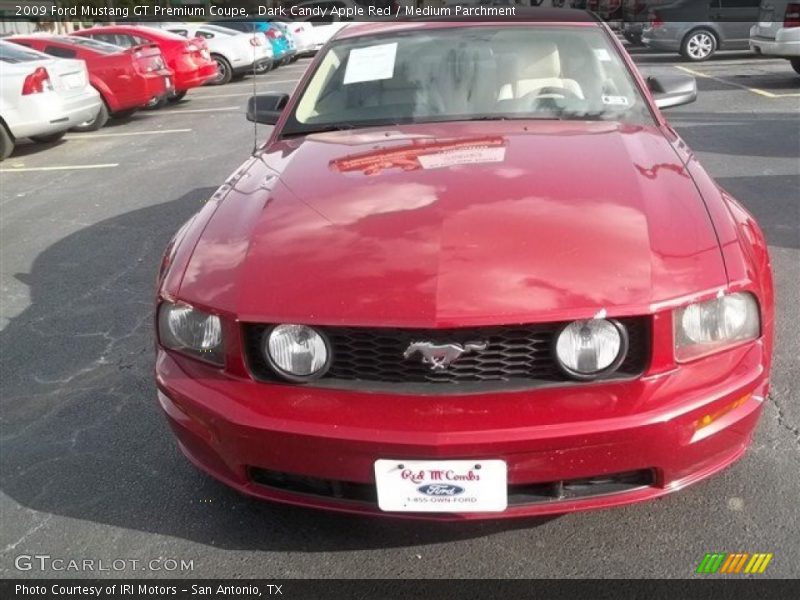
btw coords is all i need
(90, 470)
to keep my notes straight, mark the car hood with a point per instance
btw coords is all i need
(457, 224)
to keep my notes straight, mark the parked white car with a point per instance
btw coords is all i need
(323, 27)
(781, 37)
(304, 35)
(41, 97)
(235, 53)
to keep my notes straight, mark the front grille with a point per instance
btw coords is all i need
(517, 356)
(518, 494)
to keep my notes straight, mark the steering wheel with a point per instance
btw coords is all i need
(549, 93)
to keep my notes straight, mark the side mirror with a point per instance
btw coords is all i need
(672, 90)
(266, 108)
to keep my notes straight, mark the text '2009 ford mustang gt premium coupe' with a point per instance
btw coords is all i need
(473, 273)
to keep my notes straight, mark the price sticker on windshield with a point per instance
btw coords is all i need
(372, 63)
(615, 100)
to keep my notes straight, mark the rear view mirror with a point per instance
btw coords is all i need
(266, 108)
(672, 90)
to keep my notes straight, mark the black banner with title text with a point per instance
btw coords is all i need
(136, 11)
(376, 589)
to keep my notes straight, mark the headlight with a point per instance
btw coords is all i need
(714, 325)
(296, 352)
(191, 331)
(590, 348)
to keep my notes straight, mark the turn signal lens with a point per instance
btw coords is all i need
(708, 419)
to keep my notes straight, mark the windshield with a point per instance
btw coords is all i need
(89, 43)
(14, 53)
(468, 73)
(220, 30)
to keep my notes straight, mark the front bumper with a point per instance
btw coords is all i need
(786, 44)
(231, 427)
(665, 44)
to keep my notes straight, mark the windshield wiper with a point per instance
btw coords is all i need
(321, 129)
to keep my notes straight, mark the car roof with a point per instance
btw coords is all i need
(521, 16)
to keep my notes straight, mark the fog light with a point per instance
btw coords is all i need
(296, 352)
(587, 349)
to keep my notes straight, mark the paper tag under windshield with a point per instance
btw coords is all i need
(372, 63)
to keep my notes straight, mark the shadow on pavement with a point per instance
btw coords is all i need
(82, 435)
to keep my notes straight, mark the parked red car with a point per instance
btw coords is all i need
(126, 79)
(189, 59)
(472, 273)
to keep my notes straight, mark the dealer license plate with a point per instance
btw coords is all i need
(441, 485)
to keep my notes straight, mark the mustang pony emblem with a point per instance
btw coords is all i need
(440, 356)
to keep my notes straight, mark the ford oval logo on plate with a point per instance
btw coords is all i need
(440, 489)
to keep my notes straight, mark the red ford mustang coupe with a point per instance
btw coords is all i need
(127, 79)
(189, 59)
(472, 273)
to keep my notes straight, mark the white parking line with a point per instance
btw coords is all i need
(248, 84)
(196, 110)
(61, 168)
(213, 96)
(90, 136)
(758, 91)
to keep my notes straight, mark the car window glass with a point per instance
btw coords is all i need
(126, 41)
(465, 74)
(60, 51)
(91, 44)
(13, 53)
(182, 32)
(103, 37)
(219, 30)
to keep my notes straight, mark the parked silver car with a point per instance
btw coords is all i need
(697, 29)
(41, 97)
(777, 32)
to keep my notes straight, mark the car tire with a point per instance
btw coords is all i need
(634, 39)
(6, 143)
(49, 138)
(177, 96)
(97, 123)
(156, 103)
(699, 45)
(224, 70)
(124, 114)
(795, 62)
